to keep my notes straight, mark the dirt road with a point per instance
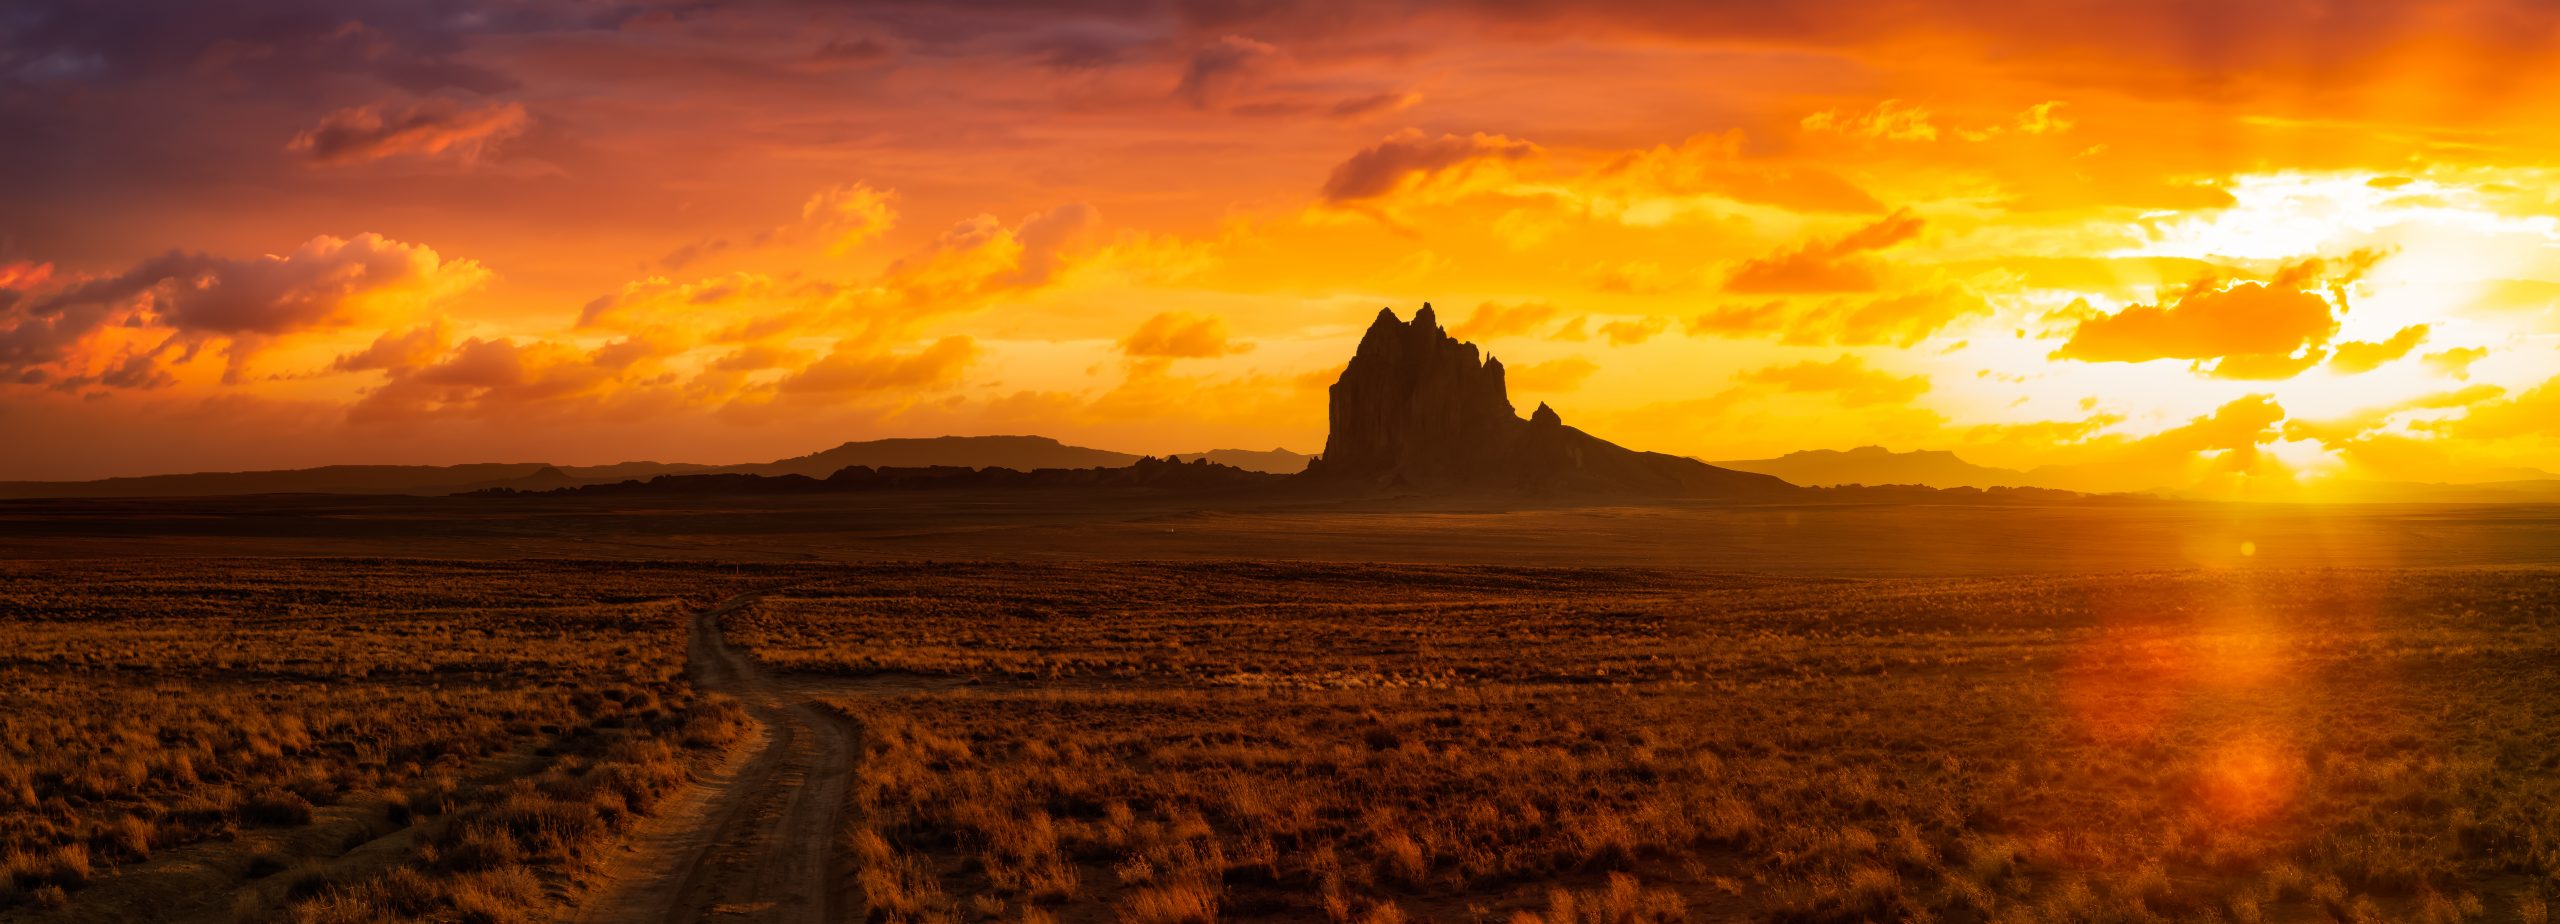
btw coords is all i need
(756, 842)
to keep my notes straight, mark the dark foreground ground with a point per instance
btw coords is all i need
(1046, 711)
(1031, 526)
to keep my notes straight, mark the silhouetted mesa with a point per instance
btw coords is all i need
(1417, 411)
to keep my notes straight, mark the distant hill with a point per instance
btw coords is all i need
(1146, 474)
(1876, 465)
(1276, 461)
(341, 479)
(546, 478)
(1417, 412)
(1020, 453)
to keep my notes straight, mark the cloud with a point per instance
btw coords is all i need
(2249, 319)
(2264, 367)
(2043, 119)
(1409, 159)
(1641, 183)
(1174, 335)
(1155, 392)
(287, 48)
(2454, 363)
(431, 128)
(191, 300)
(2356, 356)
(854, 52)
(2218, 454)
(1630, 333)
(1849, 379)
(1769, 317)
(2526, 414)
(660, 300)
(2236, 429)
(326, 282)
(1876, 400)
(1837, 265)
(23, 275)
(755, 357)
(636, 378)
(1895, 320)
(981, 257)
(417, 346)
(1492, 320)
(975, 261)
(2364, 428)
(1639, 277)
(2272, 329)
(850, 215)
(2259, 54)
(2402, 457)
(844, 217)
(487, 376)
(1077, 50)
(2043, 433)
(853, 369)
(1373, 104)
(1222, 67)
(1891, 120)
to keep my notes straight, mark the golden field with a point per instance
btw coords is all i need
(1199, 742)
(360, 740)
(254, 725)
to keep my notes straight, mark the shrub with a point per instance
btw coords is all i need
(274, 807)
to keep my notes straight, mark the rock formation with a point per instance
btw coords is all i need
(1417, 410)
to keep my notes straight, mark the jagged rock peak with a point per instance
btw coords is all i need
(1412, 396)
(1417, 409)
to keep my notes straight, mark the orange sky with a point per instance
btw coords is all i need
(2247, 246)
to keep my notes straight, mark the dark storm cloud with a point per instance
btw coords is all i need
(1221, 66)
(415, 46)
(1407, 155)
(1827, 265)
(1081, 49)
(1061, 34)
(107, 105)
(424, 128)
(855, 51)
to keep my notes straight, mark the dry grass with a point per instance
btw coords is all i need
(1151, 743)
(1175, 743)
(521, 714)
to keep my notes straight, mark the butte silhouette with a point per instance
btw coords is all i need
(1418, 411)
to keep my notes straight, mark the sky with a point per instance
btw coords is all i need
(2247, 247)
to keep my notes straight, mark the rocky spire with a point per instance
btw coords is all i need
(1419, 410)
(1411, 395)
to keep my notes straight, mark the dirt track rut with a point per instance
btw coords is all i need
(756, 842)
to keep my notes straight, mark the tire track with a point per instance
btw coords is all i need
(756, 841)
